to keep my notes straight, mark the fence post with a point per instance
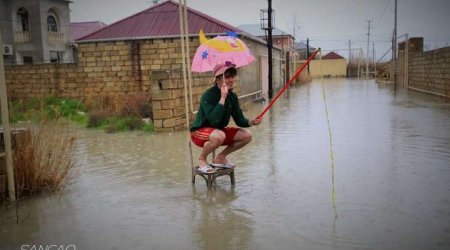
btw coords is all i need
(6, 128)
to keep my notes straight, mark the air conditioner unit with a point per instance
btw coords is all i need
(8, 50)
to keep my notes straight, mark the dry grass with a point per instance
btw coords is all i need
(121, 105)
(136, 105)
(44, 157)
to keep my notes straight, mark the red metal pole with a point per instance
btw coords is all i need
(287, 84)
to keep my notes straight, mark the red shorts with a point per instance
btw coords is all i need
(201, 135)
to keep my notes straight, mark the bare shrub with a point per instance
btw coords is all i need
(136, 105)
(104, 102)
(97, 118)
(43, 158)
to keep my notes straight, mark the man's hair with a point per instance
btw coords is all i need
(231, 72)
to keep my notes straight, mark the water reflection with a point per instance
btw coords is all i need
(388, 188)
(218, 224)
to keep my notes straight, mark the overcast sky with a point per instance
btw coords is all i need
(329, 24)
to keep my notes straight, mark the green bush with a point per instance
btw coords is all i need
(48, 108)
(62, 107)
(98, 118)
(148, 127)
(123, 124)
(133, 109)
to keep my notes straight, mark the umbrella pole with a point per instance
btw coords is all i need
(6, 129)
(287, 84)
(183, 55)
(188, 52)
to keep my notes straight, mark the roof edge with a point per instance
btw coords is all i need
(253, 38)
(128, 17)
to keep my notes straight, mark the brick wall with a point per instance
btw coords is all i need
(430, 71)
(103, 69)
(117, 68)
(427, 71)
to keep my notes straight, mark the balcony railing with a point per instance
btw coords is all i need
(22, 36)
(55, 36)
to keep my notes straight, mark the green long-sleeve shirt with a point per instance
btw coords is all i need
(213, 114)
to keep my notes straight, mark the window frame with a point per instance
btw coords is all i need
(54, 27)
(23, 19)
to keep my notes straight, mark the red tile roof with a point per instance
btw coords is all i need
(332, 55)
(80, 29)
(161, 20)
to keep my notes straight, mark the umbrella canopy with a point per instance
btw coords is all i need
(220, 50)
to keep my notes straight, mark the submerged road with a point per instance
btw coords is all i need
(387, 186)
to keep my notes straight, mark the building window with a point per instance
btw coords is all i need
(22, 16)
(28, 60)
(55, 57)
(52, 24)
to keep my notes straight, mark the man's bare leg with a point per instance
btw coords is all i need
(216, 139)
(242, 138)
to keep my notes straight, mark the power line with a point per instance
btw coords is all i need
(384, 10)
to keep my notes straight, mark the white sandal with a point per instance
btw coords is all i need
(223, 165)
(206, 169)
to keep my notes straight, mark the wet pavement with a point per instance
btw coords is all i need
(386, 187)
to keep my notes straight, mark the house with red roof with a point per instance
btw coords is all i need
(332, 56)
(141, 56)
(81, 29)
(331, 65)
(161, 21)
(143, 52)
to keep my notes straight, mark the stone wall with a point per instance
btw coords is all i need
(115, 69)
(103, 69)
(430, 71)
(427, 71)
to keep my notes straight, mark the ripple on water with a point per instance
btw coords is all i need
(357, 226)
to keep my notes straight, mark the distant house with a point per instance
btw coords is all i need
(161, 21)
(332, 56)
(81, 29)
(301, 48)
(35, 31)
(331, 65)
(280, 38)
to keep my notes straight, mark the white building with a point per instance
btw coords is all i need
(36, 31)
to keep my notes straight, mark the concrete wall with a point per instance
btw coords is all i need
(426, 71)
(328, 68)
(251, 75)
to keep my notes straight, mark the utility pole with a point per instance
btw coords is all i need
(359, 62)
(394, 46)
(6, 128)
(374, 63)
(367, 57)
(295, 26)
(307, 52)
(349, 56)
(349, 49)
(269, 46)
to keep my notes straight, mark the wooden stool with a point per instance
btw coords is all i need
(211, 177)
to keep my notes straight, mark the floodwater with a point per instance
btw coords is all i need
(386, 187)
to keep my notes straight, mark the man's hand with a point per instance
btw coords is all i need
(255, 121)
(224, 90)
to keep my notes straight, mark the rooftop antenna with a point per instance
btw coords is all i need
(153, 2)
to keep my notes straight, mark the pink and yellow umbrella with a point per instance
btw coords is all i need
(220, 50)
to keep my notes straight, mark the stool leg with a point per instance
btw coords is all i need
(232, 178)
(209, 182)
